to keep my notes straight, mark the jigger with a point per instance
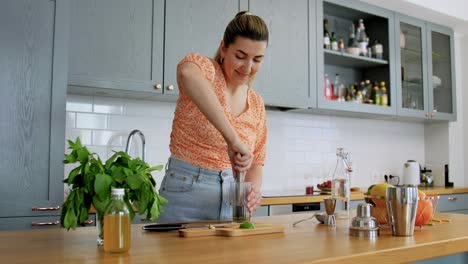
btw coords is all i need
(330, 204)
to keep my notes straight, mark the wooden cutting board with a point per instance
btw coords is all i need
(232, 230)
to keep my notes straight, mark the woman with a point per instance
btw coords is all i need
(219, 126)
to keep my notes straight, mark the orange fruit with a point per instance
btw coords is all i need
(425, 210)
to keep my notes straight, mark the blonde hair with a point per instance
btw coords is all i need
(245, 25)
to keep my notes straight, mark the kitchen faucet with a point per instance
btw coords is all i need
(143, 143)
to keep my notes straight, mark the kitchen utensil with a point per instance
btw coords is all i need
(164, 227)
(402, 203)
(411, 173)
(364, 225)
(232, 230)
(330, 204)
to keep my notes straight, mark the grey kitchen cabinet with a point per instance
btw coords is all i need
(193, 26)
(33, 79)
(131, 48)
(379, 25)
(411, 67)
(441, 72)
(289, 69)
(117, 44)
(454, 203)
(425, 70)
(37, 222)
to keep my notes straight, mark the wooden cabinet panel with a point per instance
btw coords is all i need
(288, 70)
(32, 106)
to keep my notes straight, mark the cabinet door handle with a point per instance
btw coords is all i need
(157, 86)
(45, 223)
(452, 198)
(53, 208)
(170, 87)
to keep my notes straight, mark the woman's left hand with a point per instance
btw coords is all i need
(254, 200)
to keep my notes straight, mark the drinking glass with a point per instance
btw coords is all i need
(238, 193)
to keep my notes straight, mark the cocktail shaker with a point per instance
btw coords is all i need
(402, 202)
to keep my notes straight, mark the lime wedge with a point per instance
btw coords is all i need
(247, 225)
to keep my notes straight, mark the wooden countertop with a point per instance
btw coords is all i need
(309, 242)
(354, 196)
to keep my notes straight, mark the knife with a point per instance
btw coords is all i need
(164, 227)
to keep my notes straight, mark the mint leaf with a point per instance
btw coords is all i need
(102, 186)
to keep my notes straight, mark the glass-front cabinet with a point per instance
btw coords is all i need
(425, 70)
(412, 99)
(355, 56)
(441, 77)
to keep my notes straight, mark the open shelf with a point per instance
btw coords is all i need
(347, 60)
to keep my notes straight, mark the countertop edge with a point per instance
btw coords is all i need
(354, 196)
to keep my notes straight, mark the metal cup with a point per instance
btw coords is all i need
(402, 203)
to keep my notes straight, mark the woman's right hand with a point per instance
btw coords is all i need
(240, 155)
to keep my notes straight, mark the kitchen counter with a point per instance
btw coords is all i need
(303, 198)
(309, 242)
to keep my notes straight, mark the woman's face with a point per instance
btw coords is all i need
(242, 60)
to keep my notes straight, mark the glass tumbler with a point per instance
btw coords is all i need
(238, 193)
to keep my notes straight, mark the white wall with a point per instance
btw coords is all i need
(300, 151)
(455, 8)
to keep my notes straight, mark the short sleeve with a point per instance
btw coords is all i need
(204, 63)
(262, 131)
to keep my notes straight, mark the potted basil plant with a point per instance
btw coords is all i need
(91, 182)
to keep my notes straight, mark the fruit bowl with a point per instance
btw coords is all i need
(427, 205)
(324, 189)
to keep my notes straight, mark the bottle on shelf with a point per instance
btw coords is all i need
(377, 50)
(384, 94)
(341, 45)
(327, 88)
(377, 94)
(117, 224)
(333, 42)
(362, 38)
(337, 88)
(352, 42)
(326, 35)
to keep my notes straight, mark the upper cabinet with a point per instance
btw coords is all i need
(33, 59)
(424, 69)
(193, 26)
(117, 44)
(411, 70)
(132, 45)
(355, 58)
(441, 76)
(288, 73)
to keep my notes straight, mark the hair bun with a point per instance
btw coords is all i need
(245, 12)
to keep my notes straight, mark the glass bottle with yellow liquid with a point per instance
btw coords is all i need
(117, 224)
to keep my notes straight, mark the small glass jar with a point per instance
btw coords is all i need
(117, 224)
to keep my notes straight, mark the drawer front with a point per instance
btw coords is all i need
(453, 202)
(36, 222)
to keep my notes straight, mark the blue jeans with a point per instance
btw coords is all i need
(195, 193)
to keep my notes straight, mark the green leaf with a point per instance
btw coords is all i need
(128, 172)
(155, 168)
(83, 154)
(101, 205)
(72, 175)
(102, 186)
(83, 215)
(70, 219)
(135, 181)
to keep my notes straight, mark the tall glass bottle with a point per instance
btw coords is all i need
(362, 38)
(117, 224)
(340, 189)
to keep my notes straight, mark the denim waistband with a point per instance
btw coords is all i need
(181, 164)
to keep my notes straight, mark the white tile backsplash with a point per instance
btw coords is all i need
(300, 149)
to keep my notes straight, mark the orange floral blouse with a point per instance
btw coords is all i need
(195, 140)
